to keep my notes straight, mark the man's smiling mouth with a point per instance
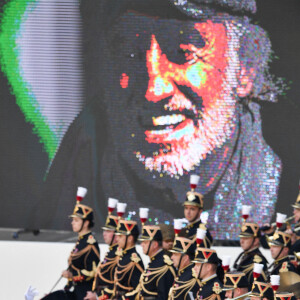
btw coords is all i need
(168, 120)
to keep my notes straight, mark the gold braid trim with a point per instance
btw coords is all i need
(139, 267)
(213, 297)
(249, 271)
(124, 287)
(129, 267)
(107, 290)
(168, 268)
(248, 268)
(85, 250)
(136, 291)
(155, 274)
(171, 294)
(158, 274)
(149, 292)
(264, 275)
(185, 287)
(123, 272)
(90, 274)
(110, 268)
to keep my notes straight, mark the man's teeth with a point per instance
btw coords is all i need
(163, 131)
(168, 120)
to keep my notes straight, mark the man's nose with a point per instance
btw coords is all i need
(160, 83)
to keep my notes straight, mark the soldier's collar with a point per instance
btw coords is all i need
(128, 249)
(209, 278)
(111, 247)
(83, 235)
(279, 259)
(157, 252)
(251, 250)
(194, 222)
(182, 270)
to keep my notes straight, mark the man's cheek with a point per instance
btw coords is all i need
(197, 76)
(205, 81)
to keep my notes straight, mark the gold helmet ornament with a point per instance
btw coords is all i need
(192, 197)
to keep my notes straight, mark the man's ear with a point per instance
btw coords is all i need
(86, 224)
(246, 78)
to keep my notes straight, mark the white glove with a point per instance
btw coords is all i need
(31, 293)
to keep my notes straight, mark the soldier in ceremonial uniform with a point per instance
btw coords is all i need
(209, 270)
(295, 233)
(280, 245)
(84, 257)
(249, 241)
(186, 282)
(104, 278)
(130, 265)
(236, 285)
(261, 291)
(193, 207)
(159, 276)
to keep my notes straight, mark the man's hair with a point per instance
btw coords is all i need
(90, 225)
(190, 255)
(159, 243)
(214, 267)
(255, 55)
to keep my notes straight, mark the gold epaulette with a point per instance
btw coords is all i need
(186, 287)
(284, 267)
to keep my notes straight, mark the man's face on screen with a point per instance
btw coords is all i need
(176, 97)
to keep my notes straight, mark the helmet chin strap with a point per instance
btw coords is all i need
(148, 248)
(83, 220)
(250, 245)
(200, 271)
(112, 239)
(278, 253)
(181, 255)
(125, 246)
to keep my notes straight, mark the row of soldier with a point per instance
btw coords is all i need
(182, 266)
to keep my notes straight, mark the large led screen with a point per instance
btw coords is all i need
(129, 98)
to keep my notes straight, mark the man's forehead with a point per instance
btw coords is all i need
(191, 206)
(168, 32)
(141, 22)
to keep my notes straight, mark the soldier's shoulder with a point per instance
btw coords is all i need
(167, 260)
(217, 287)
(258, 259)
(91, 240)
(135, 257)
(286, 267)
